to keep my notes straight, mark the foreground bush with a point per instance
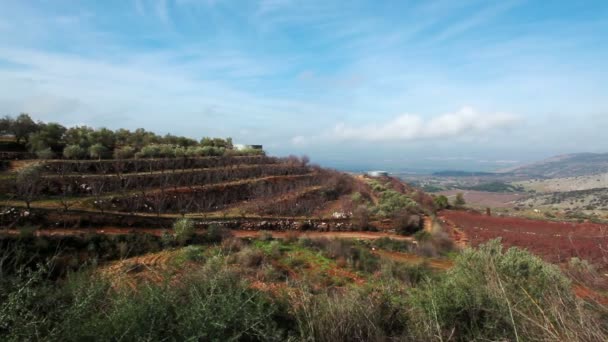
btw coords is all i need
(355, 315)
(489, 295)
(209, 305)
(492, 294)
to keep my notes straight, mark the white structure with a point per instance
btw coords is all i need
(240, 147)
(377, 173)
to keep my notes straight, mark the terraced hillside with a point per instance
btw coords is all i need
(225, 187)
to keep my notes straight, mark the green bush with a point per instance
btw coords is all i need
(183, 230)
(209, 305)
(441, 202)
(392, 201)
(354, 315)
(491, 294)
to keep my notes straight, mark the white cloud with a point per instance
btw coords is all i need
(464, 122)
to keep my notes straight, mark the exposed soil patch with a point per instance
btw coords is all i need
(554, 241)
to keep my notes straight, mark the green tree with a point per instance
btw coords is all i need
(74, 152)
(459, 201)
(98, 151)
(124, 152)
(5, 125)
(22, 127)
(49, 136)
(104, 137)
(79, 135)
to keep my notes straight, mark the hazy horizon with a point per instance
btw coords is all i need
(412, 86)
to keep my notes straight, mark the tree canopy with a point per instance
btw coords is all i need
(52, 139)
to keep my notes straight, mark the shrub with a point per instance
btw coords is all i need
(406, 223)
(192, 253)
(212, 304)
(491, 294)
(412, 275)
(459, 200)
(216, 234)
(232, 245)
(392, 201)
(392, 244)
(350, 316)
(441, 202)
(250, 257)
(183, 230)
(356, 197)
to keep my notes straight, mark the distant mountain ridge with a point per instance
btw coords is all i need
(566, 165)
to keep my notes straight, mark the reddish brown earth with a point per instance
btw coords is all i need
(556, 242)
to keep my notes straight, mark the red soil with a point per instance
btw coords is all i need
(554, 241)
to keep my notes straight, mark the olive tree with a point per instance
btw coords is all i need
(28, 184)
(97, 151)
(74, 152)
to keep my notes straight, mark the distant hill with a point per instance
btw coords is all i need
(568, 165)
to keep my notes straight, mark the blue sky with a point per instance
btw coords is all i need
(369, 84)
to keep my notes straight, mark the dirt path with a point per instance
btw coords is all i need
(458, 235)
(428, 224)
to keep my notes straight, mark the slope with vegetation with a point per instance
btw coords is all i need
(303, 289)
(128, 235)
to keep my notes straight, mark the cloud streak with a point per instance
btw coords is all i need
(464, 122)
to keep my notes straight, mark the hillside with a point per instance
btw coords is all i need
(171, 238)
(568, 165)
(99, 177)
